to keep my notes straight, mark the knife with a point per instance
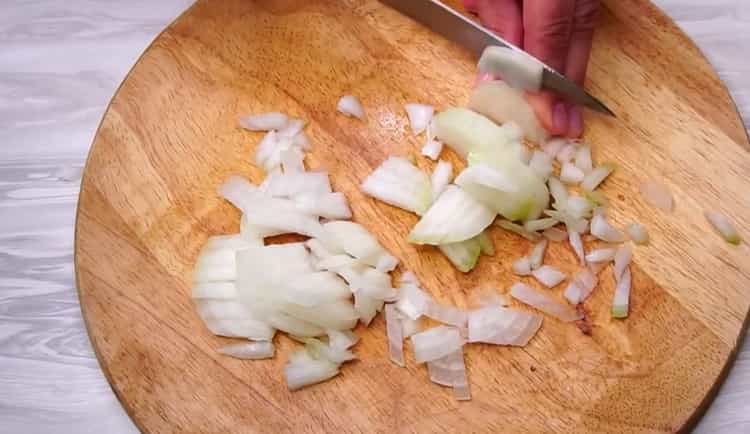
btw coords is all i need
(457, 28)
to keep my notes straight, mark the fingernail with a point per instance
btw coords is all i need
(560, 118)
(575, 122)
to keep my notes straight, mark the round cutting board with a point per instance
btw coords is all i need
(170, 137)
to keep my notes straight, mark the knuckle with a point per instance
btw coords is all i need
(586, 13)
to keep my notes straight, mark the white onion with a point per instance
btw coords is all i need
(504, 104)
(265, 147)
(501, 326)
(410, 326)
(356, 241)
(249, 350)
(622, 260)
(486, 245)
(559, 193)
(638, 233)
(541, 164)
(517, 229)
(522, 266)
(215, 290)
(601, 255)
(399, 183)
(435, 343)
(320, 350)
(307, 371)
(350, 106)
(386, 263)
(581, 286)
(724, 227)
(566, 153)
(413, 302)
(570, 174)
(420, 116)
(394, 331)
(343, 340)
(446, 314)
(301, 141)
(450, 371)
(543, 302)
(337, 262)
(518, 69)
(548, 276)
(296, 183)
(658, 195)
(603, 230)
(539, 224)
(441, 177)
(314, 289)
(293, 326)
(408, 277)
(553, 146)
(484, 175)
(555, 234)
(578, 207)
(264, 122)
(583, 159)
(326, 205)
(597, 176)
(455, 216)
(292, 160)
(577, 244)
(621, 301)
(293, 127)
(536, 258)
(366, 307)
(374, 284)
(465, 130)
(463, 254)
(247, 328)
(432, 149)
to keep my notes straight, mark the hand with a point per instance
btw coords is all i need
(559, 33)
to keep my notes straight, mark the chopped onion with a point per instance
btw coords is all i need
(326, 205)
(337, 262)
(597, 176)
(577, 244)
(366, 307)
(622, 260)
(399, 183)
(301, 141)
(555, 234)
(543, 302)
(581, 287)
(350, 106)
(553, 146)
(387, 263)
(319, 350)
(446, 314)
(548, 276)
(566, 153)
(264, 122)
(410, 326)
(420, 116)
(536, 258)
(413, 302)
(517, 229)
(455, 216)
(501, 326)
(450, 371)
(314, 289)
(583, 159)
(394, 331)
(502, 103)
(601, 255)
(518, 69)
(522, 266)
(432, 149)
(578, 207)
(465, 131)
(463, 254)
(658, 195)
(249, 350)
(409, 277)
(724, 227)
(435, 343)
(486, 244)
(484, 175)
(559, 193)
(305, 371)
(570, 174)
(638, 233)
(296, 183)
(247, 328)
(541, 164)
(489, 297)
(214, 290)
(540, 224)
(293, 127)
(342, 339)
(573, 224)
(292, 160)
(621, 302)
(375, 284)
(603, 230)
(356, 241)
(441, 177)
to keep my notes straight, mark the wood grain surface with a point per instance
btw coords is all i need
(60, 358)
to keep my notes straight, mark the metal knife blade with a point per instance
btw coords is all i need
(457, 28)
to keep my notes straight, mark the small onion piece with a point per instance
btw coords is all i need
(305, 371)
(522, 266)
(601, 255)
(555, 234)
(432, 149)
(583, 159)
(577, 244)
(292, 160)
(249, 350)
(597, 176)
(517, 69)
(540, 224)
(400, 183)
(420, 116)
(395, 334)
(350, 106)
(517, 229)
(724, 227)
(463, 254)
(545, 303)
(413, 302)
(559, 193)
(603, 230)
(501, 326)
(548, 276)
(264, 122)
(441, 178)
(578, 207)
(566, 153)
(435, 343)
(409, 278)
(581, 286)
(553, 146)
(570, 174)
(622, 260)
(292, 128)
(342, 339)
(658, 195)
(541, 164)
(621, 302)
(638, 233)
(536, 258)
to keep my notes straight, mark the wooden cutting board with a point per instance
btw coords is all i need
(170, 137)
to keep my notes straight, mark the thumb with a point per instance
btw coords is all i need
(548, 26)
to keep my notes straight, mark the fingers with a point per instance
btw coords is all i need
(584, 21)
(503, 17)
(471, 6)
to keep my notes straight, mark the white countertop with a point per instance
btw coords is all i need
(60, 63)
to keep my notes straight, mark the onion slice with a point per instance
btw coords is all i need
(536, 258)
(517, 229)
(399, 183)
(583, 159)
(455, 216)
(394, 331)
(603, 230)
(543, 302)
(420, 116)
(304, 370)
(450, 371)
(548, 276)
(581, 287)
(264, 122)
(432, 149)
(601, 255)
(724, 227)
(570, 174)
(463, 254)
(621, 302)
(541, 164)
(540, 224)
(350, 106)
(249, 350)
(435, 343)
(574, 238)
(501, 326)
(622, 260)
(441, 177)
(597, 176)
(522, 266)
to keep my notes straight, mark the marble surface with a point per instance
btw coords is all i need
(60, 63)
